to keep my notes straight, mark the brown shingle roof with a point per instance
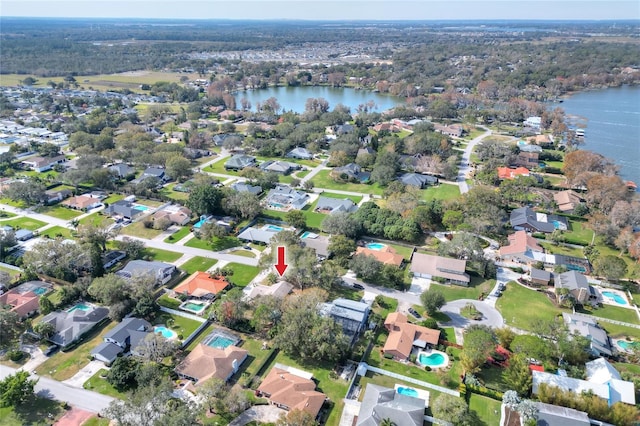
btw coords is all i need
(292, 391)
(403, 334)
(387, 255)
(437, 266)
(205, 362)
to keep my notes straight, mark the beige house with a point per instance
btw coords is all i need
(429, 266)
(205, 362)
(404, 336)
(292, 389)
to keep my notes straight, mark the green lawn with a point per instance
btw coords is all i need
(632, 270)
(100, 385)
(178, 235)
(10, 271)
(323, 180)
(337, 291)
(198, 263)
(162, 255)
(387, 305)
(95, 421)
(63, 365)
(520, 306)
(556, 249)
(168, 192)
(614, 313)
(35, 412)
(56, 231)
(24, 223)
(137, 229)
(8, 201)
(242, 274)
(243, 253)
(443, 191)
(488, 409)
(355, 198)
(113, 198)
(475, 289)
(182, 326)
(216, 245)
(96, 219)
(615, 330)
(60, 212)
(579, 233)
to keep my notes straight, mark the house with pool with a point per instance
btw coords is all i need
(285, 198)
(291, 389)
(380, 402)
(382, 253)
(159, 271)
(205, 362)
(350, 314)
(576, 284)
(451, 271)
(406, 338)
(123, 338)
(522, 247)
(327, 205)
(75, 322)
(23, 304)
(199, 287)
(587, 327)
(262, 235)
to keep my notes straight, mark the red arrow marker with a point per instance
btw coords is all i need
(281, 266)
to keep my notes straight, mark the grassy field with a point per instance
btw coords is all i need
(488, 409)
(614, 313)
(174, 195)
(178, 235)
(632, 269)
(137, 229)
(579, 233)
(355, 198)
(242, 274)
(34, 412)
(616, 331)
(96, 219)
(323, 180)
(520, 306)
(243, 253)
(100, 385)
(216, 245)
(198, 264)
(63, 365)
(443, 191)
(24, 223)
(182, 326)
(455, 292)
(60, 212)
(113, 198)
(556, 249)
(56, 231)
(95, 421)
(162, 255)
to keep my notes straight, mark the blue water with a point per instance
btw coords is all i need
(576, 268)
(80, 307)
(141, 208)
(40, 290)
(277, 205)
(166, 333)
(273, 228)
(618, 299)
(611, 119)
(432, 360)
(375, 246)
(200, 223)
(306, 234)
(407, 391)
(627, 345)
(220, 342)
(557, 224)
(295, 98)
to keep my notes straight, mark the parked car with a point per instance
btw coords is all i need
(498, 293)
(358, 286)
(414, 313)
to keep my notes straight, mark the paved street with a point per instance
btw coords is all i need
(81, 398)
(466, 160)
(490, 315)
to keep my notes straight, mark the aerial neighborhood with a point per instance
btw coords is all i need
(176, 255)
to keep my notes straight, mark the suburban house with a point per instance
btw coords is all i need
(205, 362)
(23, 234)
(278, 290)
(521, 248)
(160, 271)
(351, 171)
(71, 325)
(527, 159)
(527, 219)
(177, 215)
(434, 267)
(239, 162)
(534, 121)
(121, 170)
(291, 389)
(548, 415)
(279, 167)
(454, 130)
(539, 277)
(329, 205)
(576, 284)
(385, 403)
(257, 235)
(405, 336)
(319, 243)
(124, 209)
(244, 187)
(589, 328)
(529, 148)
(123, 337)
(601, 371)
(418, 180)
(24, 304)
(220, 139)
(154, 172)
(510, 173)
(386, 255)
(112, 257)
(567, 200)
(300, 154)
(55, 196)
(285, 198)
(351, 315)
(201, 285)
(613, 390)
(43, 164)
(82, 202)
(542, 140)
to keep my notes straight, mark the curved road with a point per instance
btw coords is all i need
(490, 315)
(466, 158)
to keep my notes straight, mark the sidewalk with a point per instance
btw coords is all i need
(85, 374)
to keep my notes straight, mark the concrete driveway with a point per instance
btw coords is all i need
(260, 414)
(490, 315)
(85, 374)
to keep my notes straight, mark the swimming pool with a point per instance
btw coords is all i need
(196, 307)
(627, 346)
(141, 208)
(166, 333)
(79, 307)
(220, 342)
(407, 391)
(375, 246)
(277, 205)
(40, 290)
(306, 234)
(433, 359)
(576, 268)
(615, 296)
(272, 228)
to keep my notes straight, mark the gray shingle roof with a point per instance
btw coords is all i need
(380, 403)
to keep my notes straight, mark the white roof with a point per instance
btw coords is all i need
(612, 391)
(601, 371)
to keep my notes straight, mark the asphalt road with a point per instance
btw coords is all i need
(490, 315)
(81, 398)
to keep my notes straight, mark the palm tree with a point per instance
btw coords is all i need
(387, 422)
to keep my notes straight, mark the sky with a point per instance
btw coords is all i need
(329, 10)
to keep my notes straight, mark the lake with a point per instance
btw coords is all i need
(294, 98)
(611, 119)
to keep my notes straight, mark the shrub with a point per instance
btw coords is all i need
(427, 368)
(412, 358)
(15, 355)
